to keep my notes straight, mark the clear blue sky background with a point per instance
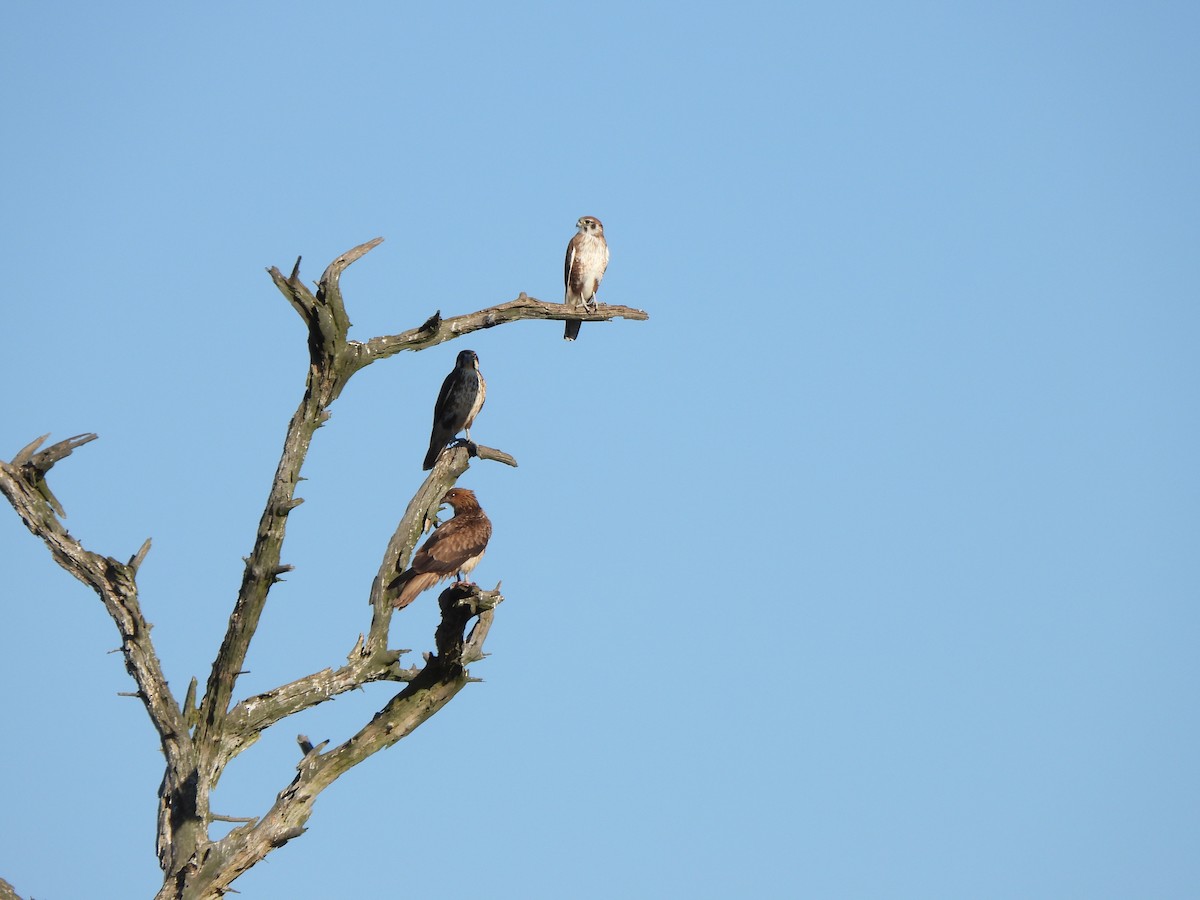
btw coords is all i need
(866, 568)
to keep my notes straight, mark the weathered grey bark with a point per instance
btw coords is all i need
(199, 739)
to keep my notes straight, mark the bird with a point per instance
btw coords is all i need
(458, 403)
(587, 258)
(454, 548)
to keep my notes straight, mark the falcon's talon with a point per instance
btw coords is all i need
(471, 447)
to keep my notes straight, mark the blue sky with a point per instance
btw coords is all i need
(864, 568)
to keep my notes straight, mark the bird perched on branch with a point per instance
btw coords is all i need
(587, 258)
(459, 402)
(454, 548)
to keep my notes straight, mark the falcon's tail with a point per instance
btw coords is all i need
(411, 584)
(431, 456)
(572, 330)
(437, 443)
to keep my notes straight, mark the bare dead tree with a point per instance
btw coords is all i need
(200, 738)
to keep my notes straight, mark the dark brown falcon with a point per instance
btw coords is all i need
(459, 402)
(454, 548)
(587, 258)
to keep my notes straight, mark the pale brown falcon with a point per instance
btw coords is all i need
(587, 258)
(454, 548)
(458, 403)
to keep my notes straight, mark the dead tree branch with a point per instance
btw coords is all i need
(23, 484)
(438, 330)
(443, 676)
